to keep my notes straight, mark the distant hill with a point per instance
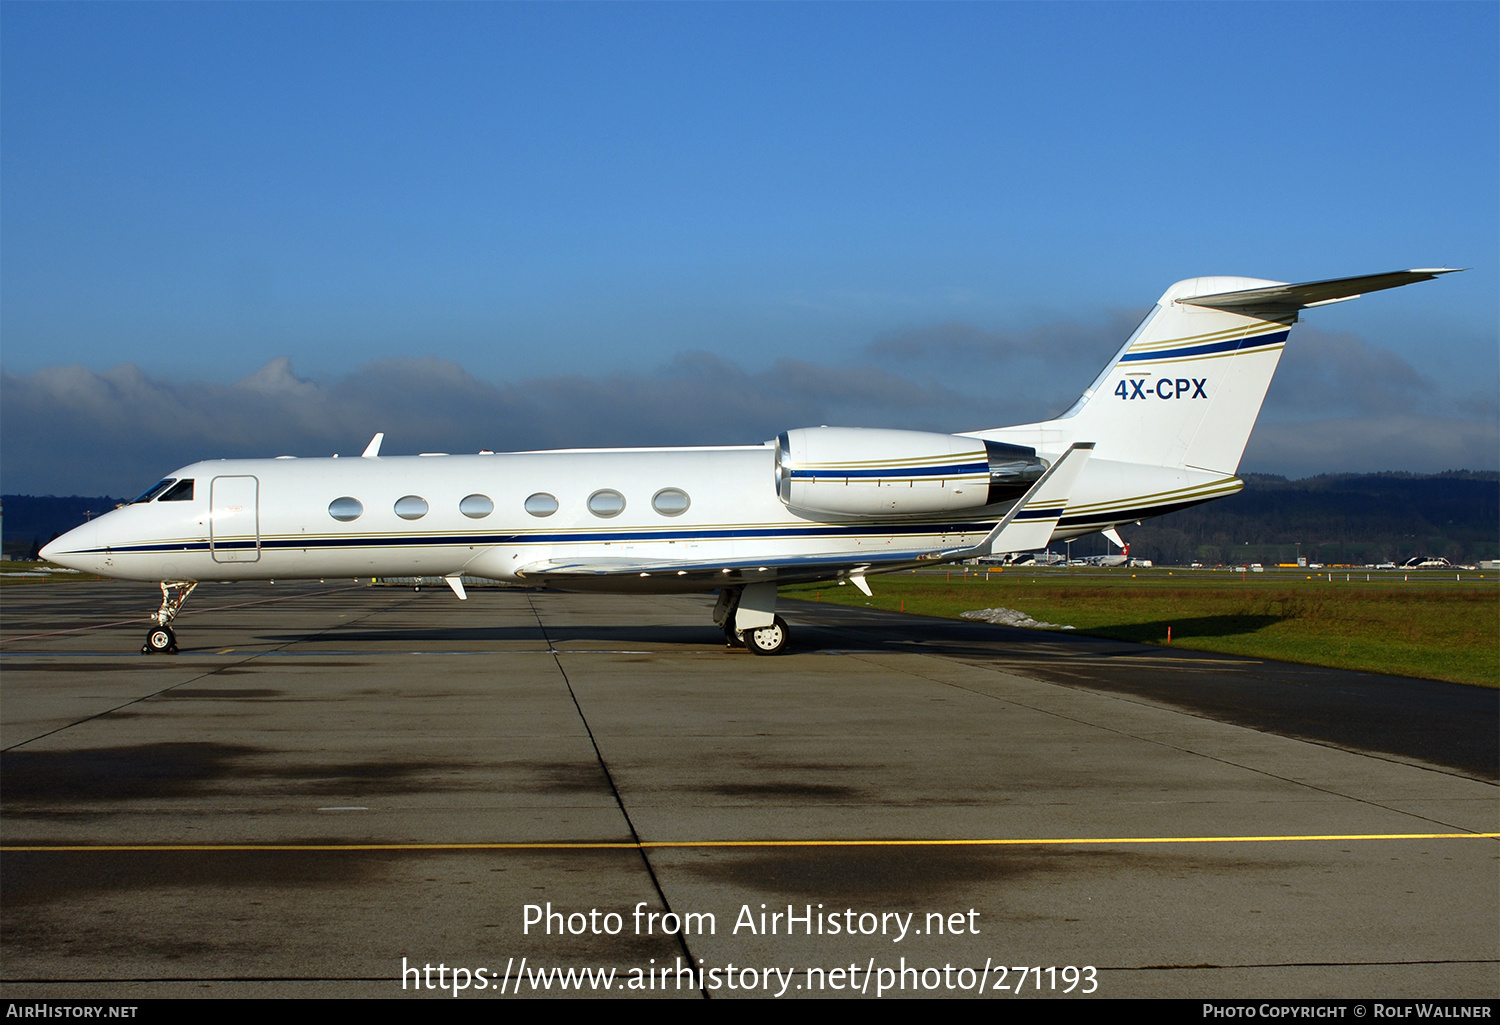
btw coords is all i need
(1336, 518)
(32, 521)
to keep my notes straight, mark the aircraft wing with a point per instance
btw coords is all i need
(1314, 293)
(1027, 526)
(727, 572)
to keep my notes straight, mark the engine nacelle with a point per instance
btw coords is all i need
(851, 471)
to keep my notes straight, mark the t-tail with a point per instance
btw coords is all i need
(1182, 394)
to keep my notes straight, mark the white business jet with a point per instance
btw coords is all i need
(1162, 428)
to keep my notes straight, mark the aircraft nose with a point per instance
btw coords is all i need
(69, 549)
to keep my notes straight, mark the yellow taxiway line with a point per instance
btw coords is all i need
(663, 844)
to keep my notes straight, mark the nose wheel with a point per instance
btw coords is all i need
(160, 641)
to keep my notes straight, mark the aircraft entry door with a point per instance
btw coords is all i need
(234, 519)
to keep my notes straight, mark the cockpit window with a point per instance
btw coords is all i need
(154, 490)
(182, 491)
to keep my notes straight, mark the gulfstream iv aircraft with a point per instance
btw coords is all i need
(1162, 428)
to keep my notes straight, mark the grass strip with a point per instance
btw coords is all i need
(1428, 625)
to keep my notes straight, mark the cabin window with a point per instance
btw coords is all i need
(541, 504)
(671, 501)
(476, 507)
(153, 490)
(606, 503)
(345, 509)
(182, 491)
(410, 507)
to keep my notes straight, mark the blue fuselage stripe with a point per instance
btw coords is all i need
(485, 540)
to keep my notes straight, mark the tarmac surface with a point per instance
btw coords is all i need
(330, 783)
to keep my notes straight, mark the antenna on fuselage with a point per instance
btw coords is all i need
(373, 448)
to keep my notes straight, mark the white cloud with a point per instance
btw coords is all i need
(1338, 404)
(1412, 442)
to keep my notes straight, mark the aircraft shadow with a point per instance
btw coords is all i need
(1193, 626)
(951, 637)
(979, 640)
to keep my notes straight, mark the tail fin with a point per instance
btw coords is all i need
(1187, 386)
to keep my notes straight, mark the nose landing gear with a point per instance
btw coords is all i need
(160, 640)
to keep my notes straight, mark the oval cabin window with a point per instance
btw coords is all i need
(476, 507)
(606, 503)
(411, 507)
(345, 509)
(541, 504)
(670, 501)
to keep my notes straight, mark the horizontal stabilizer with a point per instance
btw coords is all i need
(1314, 293)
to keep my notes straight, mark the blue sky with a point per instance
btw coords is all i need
(623, 205)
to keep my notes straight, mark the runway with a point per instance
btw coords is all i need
(332, 783)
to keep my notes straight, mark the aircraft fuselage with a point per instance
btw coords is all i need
(437, 515)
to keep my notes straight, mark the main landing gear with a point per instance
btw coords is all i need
(768, 640)
(748, 616)
(160, 640)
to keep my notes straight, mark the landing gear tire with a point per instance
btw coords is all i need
(768, 640)
(160, 641)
